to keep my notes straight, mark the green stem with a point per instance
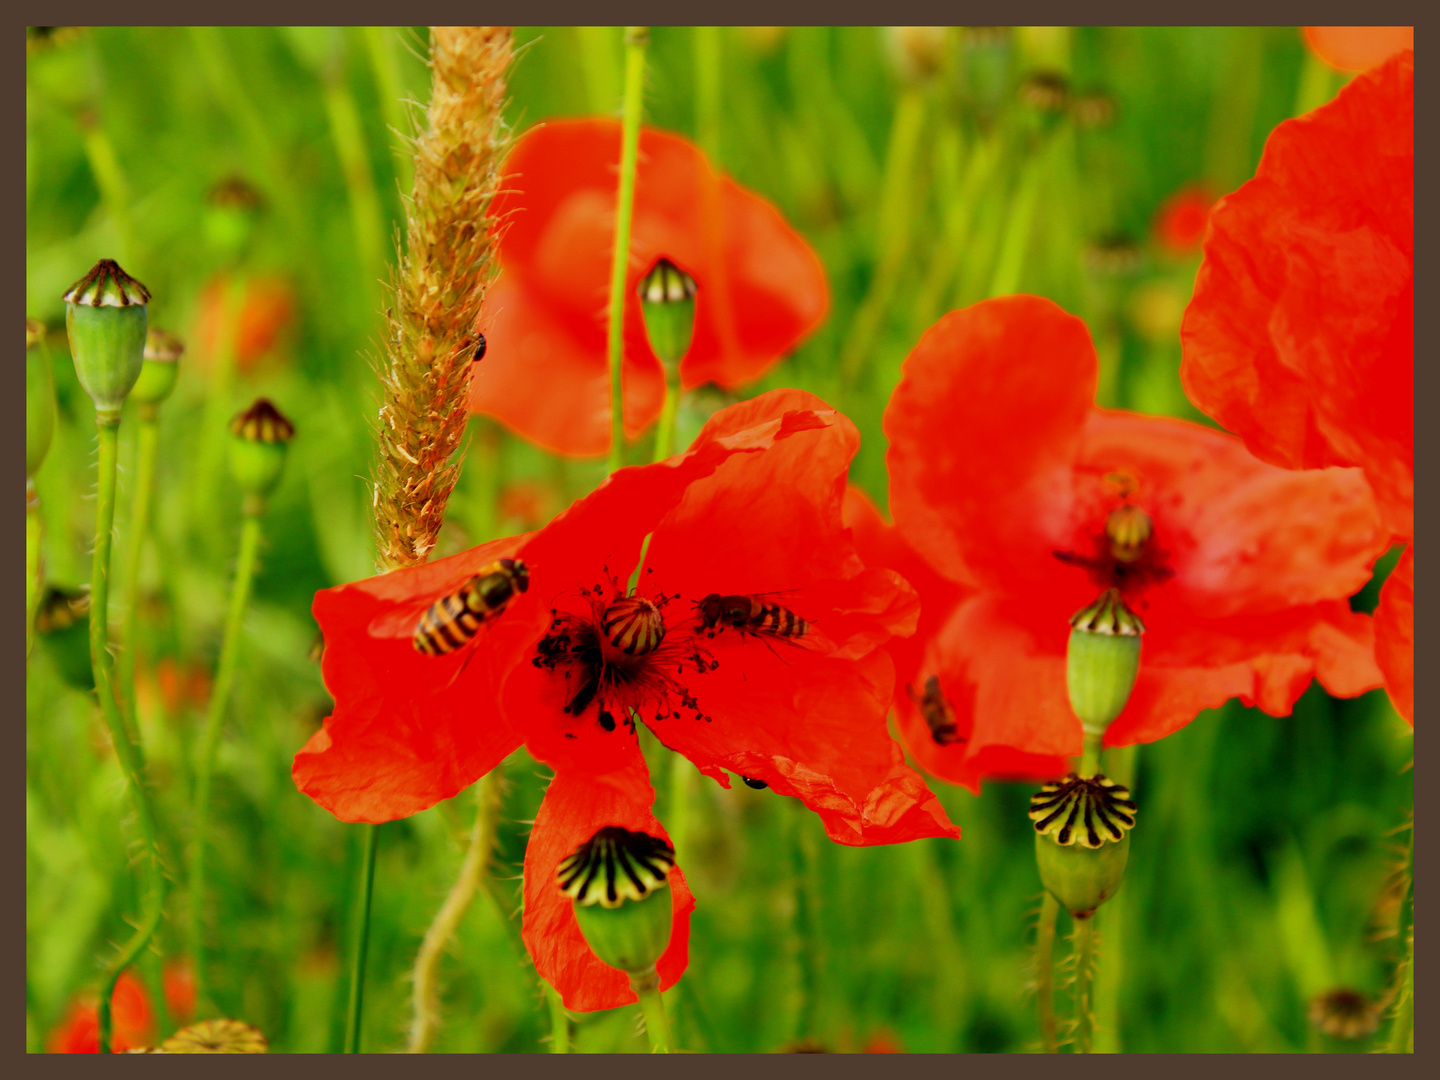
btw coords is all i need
(126, 751)
(1084, 944)
(366, 215)
(1403, 1031)
(708, 90)
(1090, 755)
(656, 1026)
(559, 1020)
(149, 443)
(473, 870)
(380, 41)
(1045, 971)
(32, 561)
(370, 834)
(1317, 84)
(1119, 765)
(1017, 232)
(210, 744)
(665, 428)
(636, 38)
(806, 919)
(208, 478)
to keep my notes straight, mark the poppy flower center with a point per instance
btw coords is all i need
(614, 654)
(1123, 554)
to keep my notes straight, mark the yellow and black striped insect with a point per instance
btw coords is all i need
(751, 615)
(457, 617)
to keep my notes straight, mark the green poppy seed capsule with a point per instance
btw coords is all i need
(232, 209)
(1102, 660)
(261, 436)
(618, 880)
(62, 622)
(1082, 839)
(667, 300)
(105, 315)
(160, 369)
(39, 397)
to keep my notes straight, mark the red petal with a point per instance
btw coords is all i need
(1300, 336)
(1356, 48)
(1395, 635)
(762, 289)
(406, 731)
(576, 805)
(983, 428)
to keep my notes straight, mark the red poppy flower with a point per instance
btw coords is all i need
(545, 373)
(1301, 333)
(132, 1022)
(752, 511)
(1180, 221)
(179, 985)
(1003, 475)
(1356, 48)
(266, 308)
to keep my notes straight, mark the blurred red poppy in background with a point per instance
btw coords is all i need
(1300, 337)
(576, 660)
(1003, 477)
(1180, 221)
(545, 374)
(266, 306)
(1358, 48)
(79, 1032)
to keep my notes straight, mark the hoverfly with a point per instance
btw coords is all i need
(758, 615)
(457, 616)
(939, 717)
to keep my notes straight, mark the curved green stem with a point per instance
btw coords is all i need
(356, 1006)
(146, 451)
(636, 38)
(32, 561)
(210, 743)
(559, 1020)
(1090, 755)
(1084, 945)
(126, 751)
(473, 871)
(1045, 971)
(657, 1028)
(665, 428)
(1403, 1030)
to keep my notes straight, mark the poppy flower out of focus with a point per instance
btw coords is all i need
(1180, 221)
(133, 1022)
(1358, 48)
(1300, 336)
(1004, 477)
(266, 308)
(546, 374)
(753, 644)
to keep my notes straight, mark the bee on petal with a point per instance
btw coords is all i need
(457, 617)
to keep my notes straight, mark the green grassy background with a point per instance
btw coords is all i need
(1259, 868)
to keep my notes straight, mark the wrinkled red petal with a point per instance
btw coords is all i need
(1300, 335)
(576, 805)
(1395, 635)
(762, 289)
(983, 429)
(408, 729)
(1356, 48)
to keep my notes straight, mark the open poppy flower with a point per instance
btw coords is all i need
(752, 644)
(1357, 48)
(1300, 337)
(133, 1021)
(546, 374)
(1003, 478)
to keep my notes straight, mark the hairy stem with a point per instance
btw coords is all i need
(473, 870)
(1403, 1030)
(1084, 946)
(636, 38)
(210, 745)
(355, 1007)
(559, 1020)
(126, 751)
(1045, 971)
(657, 1028)
(149, 444)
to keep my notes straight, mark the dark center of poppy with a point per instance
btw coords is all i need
(1124, 554)
(615, 865)
(1089, 811)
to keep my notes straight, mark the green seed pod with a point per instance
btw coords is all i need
(39, 397)
(62, 622)
(1102, 660)
(160, 369)
(667, 300)
(261, 436)
(618, 880)
(1082, 839)
(230, 216)
(105, 315)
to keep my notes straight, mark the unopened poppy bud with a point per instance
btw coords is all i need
(1343, 1013)
(1102, 660)
(229, 219)
(39, 397)
(917, 52)
(1092, 110)
(619, 882)
(634, 625)
(105, 315)
(667, 300)
(1128, 529)
(1045, 91)
(63, 623)
(1082, 841)
(261, 435)
(160, 369)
